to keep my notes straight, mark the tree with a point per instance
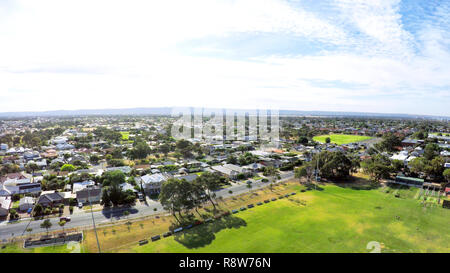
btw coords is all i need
(170, 197)
(13, 214)
(300, 172)
(333, 164)
(38, 210)
(397, 165)
(271, 172)
(417, 165)
(389, 142)
(431, 151)
(94, 159)
(208, 183)
(113, 178)
(377, 167)
(435, 168)
(115, 162)
(46, 224)
(68, 168)
(232, 159)
(446, 174)
(62, 224)
(31, 167)
(140, 151)
(126, 213)
(164, 148)
(327, 140)
(302, 140)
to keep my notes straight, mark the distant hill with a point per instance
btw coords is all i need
(167, 111)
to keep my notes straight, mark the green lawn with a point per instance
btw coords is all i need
(443, 134)
(125, 135)
(341, 139)
(18, 248)
(335, 219)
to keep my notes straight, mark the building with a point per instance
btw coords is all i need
(153, 183)
(232, 171)
(19, 185)
(89, 195)
(5, 204)
(26, 203)
(409, 181)
(410, 142)
(50, 199)
(78, 186)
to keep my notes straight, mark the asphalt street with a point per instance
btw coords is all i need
(84, 218)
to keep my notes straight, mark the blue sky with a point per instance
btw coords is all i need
(341, 55)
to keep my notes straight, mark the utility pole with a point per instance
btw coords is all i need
(93, 220)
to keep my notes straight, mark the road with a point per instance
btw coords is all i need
(84, 218)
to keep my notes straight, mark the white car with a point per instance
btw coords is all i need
(80, 205)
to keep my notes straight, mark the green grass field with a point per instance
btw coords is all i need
(125, 135)
(341, 139)
(17, 248)
(335, 219)
(443, 134)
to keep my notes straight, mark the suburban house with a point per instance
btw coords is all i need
(128, 186)
(188, 178)
(78, 186)
(26, 203)
(410, 142)
(19, 185)
(232, 171)
(152, 183)
(5, 204)
(91, 194)
(50, 199)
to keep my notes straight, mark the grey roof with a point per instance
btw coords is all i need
(92, 192)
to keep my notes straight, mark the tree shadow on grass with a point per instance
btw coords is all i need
(204, 235)
(365, 187)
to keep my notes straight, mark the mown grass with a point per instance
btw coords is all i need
(125, 135)
(341, 139)
(18, 248)
(334, 219)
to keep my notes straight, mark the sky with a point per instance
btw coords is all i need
(381, 56)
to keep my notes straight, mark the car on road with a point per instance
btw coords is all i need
(67, 219)
(249, 182)
(80, 205)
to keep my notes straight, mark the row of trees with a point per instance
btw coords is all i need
(331, 165)
(178, 196)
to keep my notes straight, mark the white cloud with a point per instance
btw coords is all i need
(116, 54)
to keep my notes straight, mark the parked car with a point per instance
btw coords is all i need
(80, 205)
(141, 196)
